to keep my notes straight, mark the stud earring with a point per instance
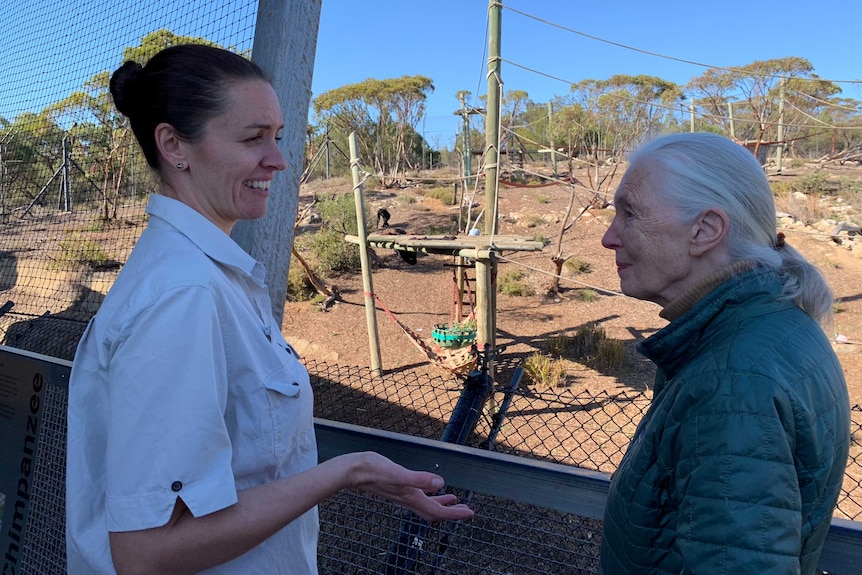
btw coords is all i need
(180, 165)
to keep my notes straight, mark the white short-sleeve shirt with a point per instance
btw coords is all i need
(183, 386)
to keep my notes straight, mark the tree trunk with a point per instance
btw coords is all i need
(289, 59)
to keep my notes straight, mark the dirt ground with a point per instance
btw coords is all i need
(421, 295)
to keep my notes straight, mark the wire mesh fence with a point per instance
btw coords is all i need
(72, 183)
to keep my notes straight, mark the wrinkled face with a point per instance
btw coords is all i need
(232, 165)
(651, 245)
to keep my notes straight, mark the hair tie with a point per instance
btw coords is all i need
(779, 241)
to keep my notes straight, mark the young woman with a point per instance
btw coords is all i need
(191, 445)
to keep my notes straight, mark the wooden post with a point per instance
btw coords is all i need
(468, 147)
(730, 118)
(460, 273)
(691, 114)
(328, 155)
(492, 117)
(551, 139)
(484, 309)
(779, 153)
(367, 284)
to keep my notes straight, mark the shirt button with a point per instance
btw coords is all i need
(176, 486)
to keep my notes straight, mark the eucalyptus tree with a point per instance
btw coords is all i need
(754, 90)
(100, 136)
(598, 122)
(384, 114)
(809, 110)
(32, 153)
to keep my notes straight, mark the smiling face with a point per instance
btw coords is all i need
(651, 244)
(227, 172)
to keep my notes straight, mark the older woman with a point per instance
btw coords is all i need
(738, 463)
(191, 443)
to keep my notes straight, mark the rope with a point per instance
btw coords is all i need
(446, 362)
(551, 274)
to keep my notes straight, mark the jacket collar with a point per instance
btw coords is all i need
(671, 347)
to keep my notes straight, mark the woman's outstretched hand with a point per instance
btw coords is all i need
(375, 474)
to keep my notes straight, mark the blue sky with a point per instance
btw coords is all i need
(56, 45)
(446, 41)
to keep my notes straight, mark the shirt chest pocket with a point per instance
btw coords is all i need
(290, 406)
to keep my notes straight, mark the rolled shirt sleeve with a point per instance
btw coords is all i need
(167, 437)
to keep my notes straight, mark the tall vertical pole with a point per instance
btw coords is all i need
(326, 153)
(551, 139)
(467, 155)
(486, 269)
(367, 284)
(63, 198)
(730, 117)
(779, 153)
(492, 116)
(691, 114)
(2, 190)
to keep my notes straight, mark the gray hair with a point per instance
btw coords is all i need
(697, 171)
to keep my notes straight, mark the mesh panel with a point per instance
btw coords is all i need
(45, 549)
(73, 186)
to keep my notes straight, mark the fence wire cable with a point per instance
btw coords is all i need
(656, 54)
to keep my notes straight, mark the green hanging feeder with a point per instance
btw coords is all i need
(454, 335)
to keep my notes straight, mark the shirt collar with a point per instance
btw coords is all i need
(168, 212)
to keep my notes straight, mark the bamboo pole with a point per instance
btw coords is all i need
(492, 117)
(367, 284)
(779, 151)
(484, 311)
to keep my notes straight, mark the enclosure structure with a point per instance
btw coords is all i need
(482, 250)
(59, 258)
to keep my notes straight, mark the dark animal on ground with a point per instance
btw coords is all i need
(383, 216)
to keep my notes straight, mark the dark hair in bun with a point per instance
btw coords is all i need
(123, 87)
(183, 86)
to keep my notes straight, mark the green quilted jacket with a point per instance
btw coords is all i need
(737, 465)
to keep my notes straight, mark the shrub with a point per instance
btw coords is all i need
(816, 183)
(558, 345)
(334, 255)
(76, 252)
(535, 220)
(542, 199)
(587, 295)
(591, 345)
(339, 213)
(544, 371)
(444, 195)
(299, 287)
(510, 283)
(540, 238)
(577, 266)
